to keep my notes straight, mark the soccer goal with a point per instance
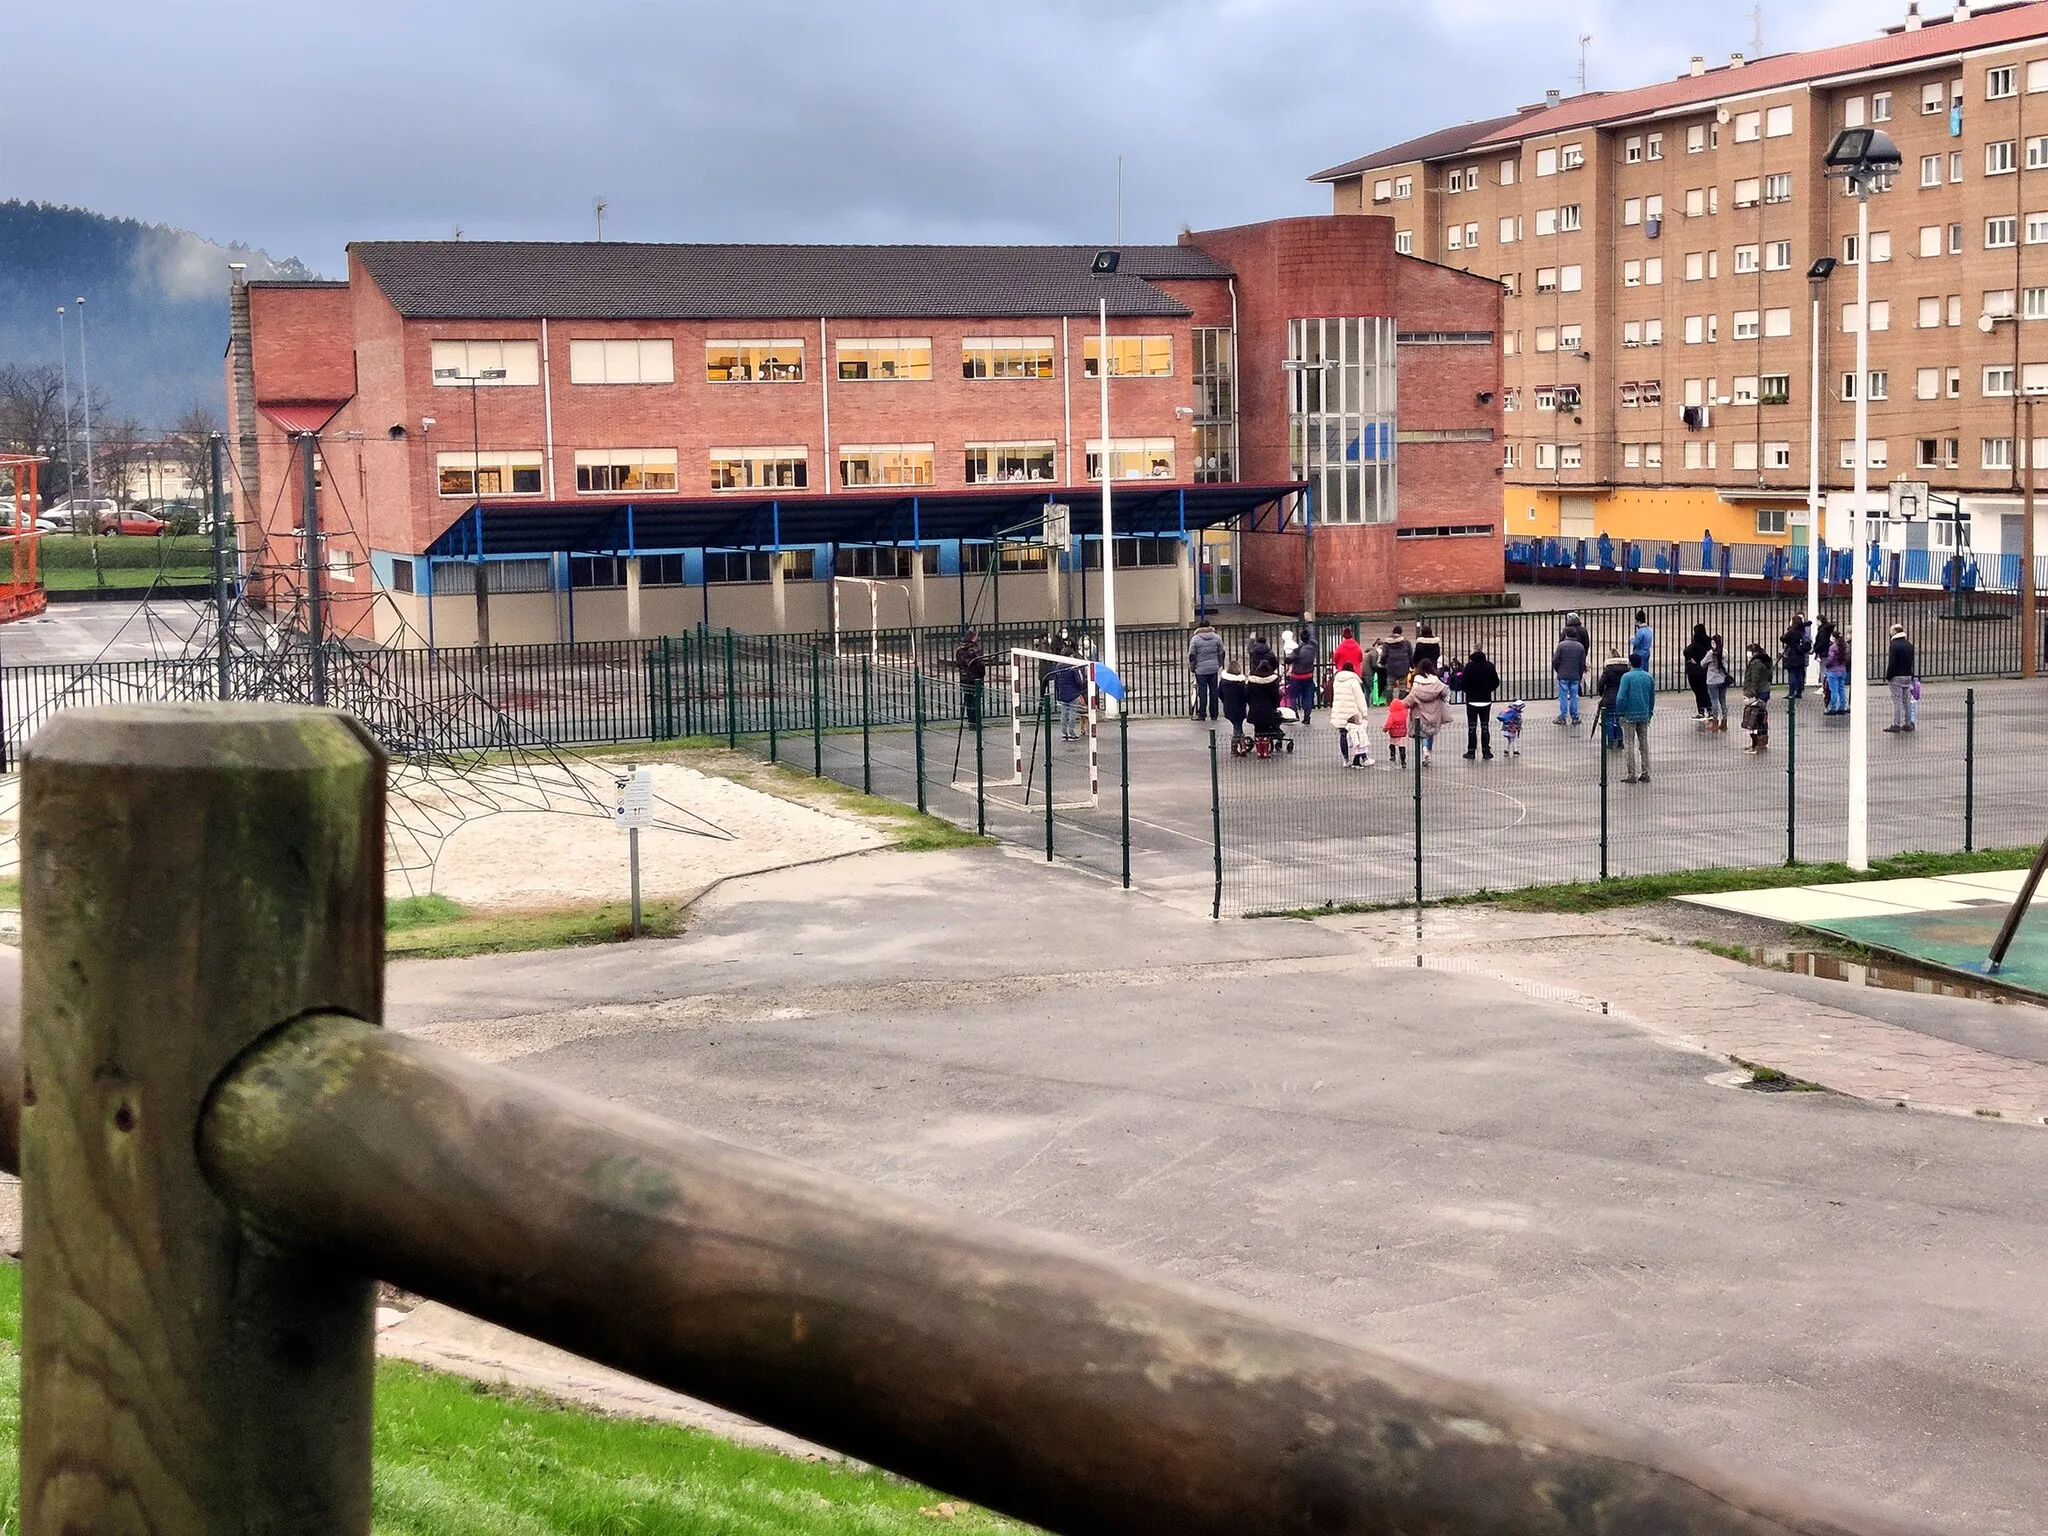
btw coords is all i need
(1039, 668)
(866, 594)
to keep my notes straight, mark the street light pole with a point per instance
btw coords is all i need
(85, 399)
(2030, 625)
(476, 489)
(64, 383)
(1104, 268)
(1817, 275)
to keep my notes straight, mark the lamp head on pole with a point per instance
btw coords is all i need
(1105, 263)
(1821, 270)
(1864, 157)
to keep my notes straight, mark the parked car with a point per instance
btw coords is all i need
(69, 513)
(133, 523)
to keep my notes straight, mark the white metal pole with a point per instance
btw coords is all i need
(64, 384)
(1108, 538)
(875, 622)
(1813, 520)
(85, 400)
(1016, 722)
(1859, 609)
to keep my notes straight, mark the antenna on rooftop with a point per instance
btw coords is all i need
(1585, 40)
(1756, 41)
(598, 206)
(1119, 201)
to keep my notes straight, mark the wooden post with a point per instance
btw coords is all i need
(194, 876)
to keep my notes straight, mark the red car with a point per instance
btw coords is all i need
(139, 524)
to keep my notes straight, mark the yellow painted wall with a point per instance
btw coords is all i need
(1660, 513)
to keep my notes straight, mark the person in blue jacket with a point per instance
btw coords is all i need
(1635, 700)
(1070, 686)
(1645, 637)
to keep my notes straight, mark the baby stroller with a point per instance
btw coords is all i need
(1511, 730)
(1262, 712)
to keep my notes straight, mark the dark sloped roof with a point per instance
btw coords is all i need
(1431, 146)
(584, 280)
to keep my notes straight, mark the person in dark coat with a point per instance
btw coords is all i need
(1480, 681)
(1568, 662)
(1070, 686)
(1397, 660)
(1230, 694)
(1262, 697)
(1301, 677)
(1575, 629)
(971, 662)
(1610, 689)
(1429, 651)
(1259, 655)
(1902, 677)
(1795, 650)
(1696, 670)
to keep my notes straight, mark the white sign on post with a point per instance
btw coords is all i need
(633, 807)
(1059, 526)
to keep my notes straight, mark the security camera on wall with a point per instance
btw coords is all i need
(426, 424)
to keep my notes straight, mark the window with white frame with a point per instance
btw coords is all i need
(1569, 456)
(1007, 357)
(1546, 162)
(1930, 170)
(1955, 166)
(871, 359)
(1879, 457)
(1695, 266)
(1631, 333)
(1954, 383)
(1933, 98)
(1510, 284)
(1653, 271)
(1696, 203)
(1132, 458)
(747, 469)
(489, 473)
(1546, 279)
(1570, 338)
(2034, 303)
(996, 463)
(1546, 455)
(1653, 208)
(1404, 242)
(2037, 229)
(1507, 173)
(1631, 212)
(1747, 325)
(1571, 157)
(1546, 222)
(1568, 218)
(1748, 191)
(1881, 107)
(1998, 158)
(1454, 237)
(2037, 76)
(1511, 456)
(2034, 378)
(1631, 455)
(1742, 455)
(1930, 313)
(1341, 413)
(1851, 250)
(1653, 455)
(1699, 455)
(1778, 322)
(1747, 258)
(1383, 190)
(1653, 333)
(754, 362)
(1571, 278)
(1852, 112)
(1778, 456)
(1996, 452)
(486, 364)
(1778, 256)
(1778, 187)
(1695, 330)
(1997, 379)
(2037, 152)
(1545, 397)
(635, 361)
(1510, 230)
(1997, 301)
(1546, 338)
(1696, 139)
(1774, 389)
(1632, 149)
(1130, 357)
(1999, 83)
(1927, 384)
(1744, 390)
(1511, 398)
(1930, 240)
(1880, 245)
(1778, 123)
(1631, 274)
(1749, 127)
(1404, 188)
(602, 470)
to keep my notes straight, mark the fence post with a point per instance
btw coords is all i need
(1415, 739)
(1123, 723)
(1045, 719)
(1600, 744)
(917, 725)
(867, 761)
(980, 799)
(1791, 779)
(1969, 770)
(732, 697)
(817, 717)
(1216, 827)
(178, 1373)
(774, 700)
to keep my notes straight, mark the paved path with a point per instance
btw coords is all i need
(1464, 1160)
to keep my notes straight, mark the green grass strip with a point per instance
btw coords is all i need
(435, 928)
(459, 1458)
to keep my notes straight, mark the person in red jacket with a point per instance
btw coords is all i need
(1348, 651)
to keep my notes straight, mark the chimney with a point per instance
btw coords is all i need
(1736, 61)
(1912, 15)
(1699, 64)
(1962, 11)
(1552, 98)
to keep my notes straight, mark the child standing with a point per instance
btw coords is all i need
(1347, 714)
(1511, 730)
(1397, 732)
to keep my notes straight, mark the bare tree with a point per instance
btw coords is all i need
(120, 449)
(187, 448)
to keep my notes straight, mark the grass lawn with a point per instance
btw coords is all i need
(455, 1458)
(73, 579)
(435, 928)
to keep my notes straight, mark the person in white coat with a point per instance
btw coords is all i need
(1348, 714)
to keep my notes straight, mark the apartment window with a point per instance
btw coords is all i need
(1404, 188)
(1570, 279)
(1510, 343)
(2037, 152)
(1511, 456)
(1569, 338)
(1880, 384)
(1955, 383)
(2034, 303)
(1930, 170)
(1696, 203)
(1880, 245)
(1778, 123)
(1546, 222)
(1774, 389)
(622, 362)
(1848, 386)
(1747, 327)
(1744, 392)
(1630, 396)
(1653, 147)
(457, 363)
(1006, 357)
(1930, 314)
(489, 473)
(1699, 455)
(1653, 210)
(1632, 149)
(1546, 279)
(2037, 228)
(1998, 83)
(1383, 191)
(1778, 256)
(1955, 165)
(1998, 158)
(1546, 338)
(1510, 284)
(1930, 240)
(754, 362)
(1130, 356)
(1749, 127)
(1933, 98)
(1404, 242)
(1927, 453)
(601, 470)
(1631, 333)
(1746, 258)
(1742, 456)
(1511, 399)
(1471, 178)
(1569, 456)
(1997, 301)
(1777, 322)
(1507, 173)
(1653, 271)
(1955, 239)
(1568, 217)
(1998, 379)
(991, 462)
(1778, 188)
(1997, 453)
(1927, 384)
(1454, 239)
(1880, 453)
(1510, 231)
(885, 358)
(1696, 138)
(1695, 266)
(1455, 182)
(1881, 107)
(1571, 157)
(746, 469)
(1631, 455)
(1748, 191)
(1653, 455)
(2034, 381)
(1849, 250)
(1631, 212)
(1880, 316)
(1545, 398)
(1776, 456)
(1696, 329)
(2037, 76)
(1546, 162)
(1631, 274)
(1653, 333)
(1852, 112)
(885, 464)
(1546, 455)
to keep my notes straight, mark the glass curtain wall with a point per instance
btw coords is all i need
(1215, 405)
(1340, 416)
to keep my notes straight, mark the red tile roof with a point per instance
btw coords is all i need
(1937, 40)
(1431, 146)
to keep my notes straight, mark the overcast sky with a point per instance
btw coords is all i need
(298, 127)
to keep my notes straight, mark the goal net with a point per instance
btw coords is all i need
(1034, 710)
(859, 602)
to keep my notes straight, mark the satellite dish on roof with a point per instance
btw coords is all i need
(1985, 323)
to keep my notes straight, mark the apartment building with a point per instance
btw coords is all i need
(554, 441)
(1653, 248)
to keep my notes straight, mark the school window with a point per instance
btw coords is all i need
(1774, 389)
(587, 571)
(731, 567)
(885, 464)
(1546, 222)
(489, 473)
(1746, 325)
(1998, 158)
(625, 469)
(1997, 453)
(748, 469)
(1132, 458)
(1006, 357)
(885, 358)
(886, 562)
(1930, 170)
(1546, 162)
(486, 364)
(1653, 147)
(1778, 256)
(1777, 456)
(1998, 379)
(987, 462)
(1999, 83)
(639, 361)
(1404, 242)
(1133, 356)
(1778, 188)
(1927, 384)
(1571, 157)
(1568, 217)
(1746, 258)
(1742, 455)
(754, 362)
(1930, 240)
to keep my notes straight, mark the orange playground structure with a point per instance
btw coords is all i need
(21, 590)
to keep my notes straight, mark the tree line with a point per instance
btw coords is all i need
(33, 421)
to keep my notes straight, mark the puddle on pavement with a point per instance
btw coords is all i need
(1890, 976)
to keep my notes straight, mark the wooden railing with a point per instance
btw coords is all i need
(220, 1150)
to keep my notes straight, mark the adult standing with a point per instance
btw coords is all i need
(1568, 663)
(1610, 691)
(1429, 651)
(971, 662)
(1205, 661)
(1230, 694)
(1397, 657)
(1257, 654)
(1795, 650)
(1348, 715)
(1429, 709)
(1301, 676)
(1903, 678)
(1823, 638)
(1644, 640)
(1718, 679)
(1635, 701)
(1756, 685)
(1834, 672)
(1696, 670)
(1479, 680)
(1348, 652)
(1575, 627)
(1069, 684)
